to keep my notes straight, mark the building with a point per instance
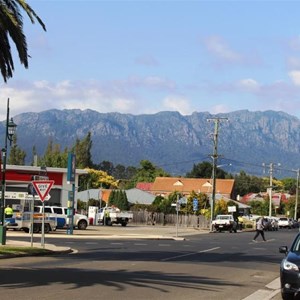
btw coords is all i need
(19, 177)
(165, 185)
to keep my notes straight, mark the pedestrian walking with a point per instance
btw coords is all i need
(259, 229)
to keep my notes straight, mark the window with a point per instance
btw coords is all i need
(58, 210)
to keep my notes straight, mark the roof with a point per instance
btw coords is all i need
(144, 186)
(38, 169)
(187, 185)
(88, 194)
(137, 196)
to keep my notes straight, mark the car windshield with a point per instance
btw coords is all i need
(223, 217)
(296, 244)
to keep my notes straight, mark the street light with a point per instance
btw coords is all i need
(10, 130)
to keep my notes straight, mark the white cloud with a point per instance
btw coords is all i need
(220, 108)
(218, 47)
(293, 63)
(175, 103)
(295, 77)
(248, 84)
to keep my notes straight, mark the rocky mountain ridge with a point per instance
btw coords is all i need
(169, 139)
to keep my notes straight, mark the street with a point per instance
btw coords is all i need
(204, 266)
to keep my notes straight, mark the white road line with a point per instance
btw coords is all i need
(140, 244)
(116, 243)
(189, 254)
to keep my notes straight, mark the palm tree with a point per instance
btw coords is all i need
(11, 27)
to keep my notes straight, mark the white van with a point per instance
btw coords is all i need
(61, 213)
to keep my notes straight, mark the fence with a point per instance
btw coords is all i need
(188, 220)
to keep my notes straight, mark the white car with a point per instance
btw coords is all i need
(61, 214)
(284, 222)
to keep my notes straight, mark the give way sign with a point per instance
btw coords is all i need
(43, 187)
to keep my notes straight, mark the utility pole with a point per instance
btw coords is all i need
(214, 157)
(296, 200)
(270, 189)
(271, 186)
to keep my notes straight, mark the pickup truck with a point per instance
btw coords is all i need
(113, 215)
(61, 214)
(224, 223)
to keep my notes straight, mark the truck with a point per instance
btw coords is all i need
(224, 223)
(113, 215)
(23, 221)
(61, 214)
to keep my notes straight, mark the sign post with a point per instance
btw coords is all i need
(71, 195)
(42, 188)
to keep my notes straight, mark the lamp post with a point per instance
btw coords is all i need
(10, 130)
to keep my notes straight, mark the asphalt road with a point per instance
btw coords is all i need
(203, 266)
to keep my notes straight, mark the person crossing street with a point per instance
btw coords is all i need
(259, 229)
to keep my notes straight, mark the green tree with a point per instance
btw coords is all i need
(147, 173)
(11, 27)
(16, 155)
(204, 170)
(119, 199)
(82, 150)
(244, 184)
(53, 156)
(289, 185)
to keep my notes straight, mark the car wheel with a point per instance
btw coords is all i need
(82, 225)
(287, 296)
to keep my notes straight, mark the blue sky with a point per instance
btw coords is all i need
(142, 57)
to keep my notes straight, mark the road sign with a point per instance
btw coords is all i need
(195, 204)
(43, 187)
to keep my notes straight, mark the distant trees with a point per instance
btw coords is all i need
(204, 170)
(11, 21)
(147, 173)
(16, 155)
(118, 199)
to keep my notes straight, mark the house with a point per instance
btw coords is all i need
(165, 185)
(144, 186)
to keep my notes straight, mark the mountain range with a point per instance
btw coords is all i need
(242, 140)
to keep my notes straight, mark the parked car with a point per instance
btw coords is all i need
(294, 223)
(61, 214)
(289, 269)
(267, 224)
(284, 222)
(224, 222)
(270, 223)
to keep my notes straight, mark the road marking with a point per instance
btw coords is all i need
(189, 254)
(116, 243)
(140, 244)
(164, 245)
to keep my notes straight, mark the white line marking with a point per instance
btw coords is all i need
(188, 254)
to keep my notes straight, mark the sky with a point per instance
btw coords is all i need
(143, 57)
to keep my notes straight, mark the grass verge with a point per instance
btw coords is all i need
(13, 251)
